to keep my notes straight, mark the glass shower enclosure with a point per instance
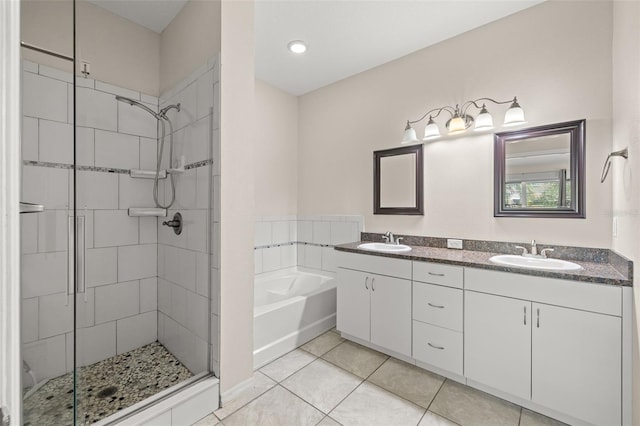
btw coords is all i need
(116, 303)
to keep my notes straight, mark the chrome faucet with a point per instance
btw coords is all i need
(534, 251)
(389, 238)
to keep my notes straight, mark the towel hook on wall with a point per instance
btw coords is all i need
(607, 163)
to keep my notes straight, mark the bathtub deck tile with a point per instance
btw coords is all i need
(285, 366)
(323, 343)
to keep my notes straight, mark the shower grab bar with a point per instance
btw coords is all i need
(77, 246)
(46, 51)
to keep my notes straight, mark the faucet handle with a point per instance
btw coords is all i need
(524, 250)
(543, 252)
(386, 238)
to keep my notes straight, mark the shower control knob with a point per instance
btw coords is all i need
(176, 223)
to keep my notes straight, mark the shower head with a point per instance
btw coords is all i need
(133, 102)
(163, 111)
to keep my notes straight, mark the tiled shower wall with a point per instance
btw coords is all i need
(184, 291)
(306, 241)
(119, 309)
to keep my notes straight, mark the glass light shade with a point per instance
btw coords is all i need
(431, 131)
(484, 121)
(514, 115)
(457, 125)
(409, 135)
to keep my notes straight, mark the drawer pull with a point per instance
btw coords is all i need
(435, 306)
(366, 280)
(435, 347)
(525, 315)
(538, 318)
(435, 275)
(372, 281)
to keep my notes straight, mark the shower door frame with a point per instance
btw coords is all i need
(10, 134)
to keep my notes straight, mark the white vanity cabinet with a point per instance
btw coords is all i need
(374, 300)
(437, 315)
(556, 343)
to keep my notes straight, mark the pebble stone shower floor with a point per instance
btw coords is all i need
(105, 387)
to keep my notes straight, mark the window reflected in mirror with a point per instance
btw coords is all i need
(539, 172)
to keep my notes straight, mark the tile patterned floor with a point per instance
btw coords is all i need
(331, 381)
(105, 387)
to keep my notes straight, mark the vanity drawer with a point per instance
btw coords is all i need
(437, 273)
(438, 305)
(437, 346)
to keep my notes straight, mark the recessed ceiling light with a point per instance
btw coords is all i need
(297, 46)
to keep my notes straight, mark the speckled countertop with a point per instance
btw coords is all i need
(594, 272)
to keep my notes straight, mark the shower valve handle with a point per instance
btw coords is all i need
(176, 223)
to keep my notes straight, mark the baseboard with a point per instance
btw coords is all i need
(232, 393)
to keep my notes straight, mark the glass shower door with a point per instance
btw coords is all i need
(47, 229)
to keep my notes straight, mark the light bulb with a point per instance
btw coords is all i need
(297, 46)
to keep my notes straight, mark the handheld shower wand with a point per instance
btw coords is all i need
(161, 117)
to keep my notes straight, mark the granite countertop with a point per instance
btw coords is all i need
(593, 272)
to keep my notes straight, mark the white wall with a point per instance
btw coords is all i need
(275, 151)
(120, 52)
(189, 41)
(624, 177)
(556, 57)
(236, 194)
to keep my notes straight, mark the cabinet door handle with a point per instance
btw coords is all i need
(372, 281)
(525, 315)
(538, 318)
(366, 280)
(435, 347)
(435, 275)
(435, 306)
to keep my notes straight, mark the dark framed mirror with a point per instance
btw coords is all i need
(398, 181)
(540, 171)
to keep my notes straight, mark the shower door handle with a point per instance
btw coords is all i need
(30, 208)
(77, 246)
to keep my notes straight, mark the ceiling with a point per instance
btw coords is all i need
(153, 14)
(344, 37)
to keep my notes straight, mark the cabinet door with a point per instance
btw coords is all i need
(576, 363)
(497, 342)
(353, 310)
(391, 313)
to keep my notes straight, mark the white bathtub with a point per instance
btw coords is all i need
(290, 308)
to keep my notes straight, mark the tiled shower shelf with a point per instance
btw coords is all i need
(147, 174)
(147, 212)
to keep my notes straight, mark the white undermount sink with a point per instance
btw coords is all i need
(385, 248)
(535, 263)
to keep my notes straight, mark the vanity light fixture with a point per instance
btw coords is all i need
(297, 46)
(461, 120)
